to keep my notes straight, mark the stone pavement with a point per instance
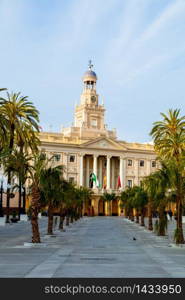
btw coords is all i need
(91, 247)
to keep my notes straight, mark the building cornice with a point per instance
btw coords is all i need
(94, 149)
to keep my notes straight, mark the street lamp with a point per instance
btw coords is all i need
(1, 199)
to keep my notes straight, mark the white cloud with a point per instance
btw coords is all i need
(133, 52)
(171, 12)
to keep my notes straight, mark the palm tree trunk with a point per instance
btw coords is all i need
(67, 218)
(142, 217)
(76, 214)
(80, 209)
(20, 198)
(150, 223)
(131, 215)
(162, 221)
(11, 144)
(62, 217)
(61, 223)
(179, 237)
(126, 212)
(137, 215)
(8, 199)
(50, 220)
(24, 200)
(34, 215)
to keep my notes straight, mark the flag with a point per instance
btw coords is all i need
(93, 177)
(92, 180)
(119, 182)
(97, 183)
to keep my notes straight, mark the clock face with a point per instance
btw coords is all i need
(93, 99)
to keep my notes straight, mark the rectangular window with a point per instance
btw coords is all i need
(72, 158)
(142, 163)
(57, 157)
(129, 162)
(71, 179)
(129, 183)
(43, 155)
(153, 164)
(94, 122)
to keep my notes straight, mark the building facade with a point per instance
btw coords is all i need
(89, 150)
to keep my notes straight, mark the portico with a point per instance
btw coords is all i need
(107, 169)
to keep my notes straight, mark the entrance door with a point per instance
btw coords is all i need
(115, 208)
(101, 208)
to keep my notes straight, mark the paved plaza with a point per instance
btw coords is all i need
(90, 247)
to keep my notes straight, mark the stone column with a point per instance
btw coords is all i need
(94, 168)
(113, 173)
(122, 171)
(65, 163)
(81, 169)
(100, 171)
(148, 167)
(87, 171)
(136, 171)
(108, 171)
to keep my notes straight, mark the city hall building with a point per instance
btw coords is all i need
(92, 154)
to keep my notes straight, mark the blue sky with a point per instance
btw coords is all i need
(137, 48)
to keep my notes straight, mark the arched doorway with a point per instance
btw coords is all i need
(88, 208)
(101, 208)
(115, 207)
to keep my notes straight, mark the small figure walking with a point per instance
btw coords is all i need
(170, 213)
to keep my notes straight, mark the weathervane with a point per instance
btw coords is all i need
(90, 64)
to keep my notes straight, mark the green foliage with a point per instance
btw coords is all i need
(169, 143)
(108, 197)
(50, 185)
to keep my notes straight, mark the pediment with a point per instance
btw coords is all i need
(103, 143)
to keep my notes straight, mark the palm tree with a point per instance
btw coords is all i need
(63, 188)
(108, 197)
(17, 112)
(27, 141)
(139, 202)
(127, 202)
(3, 131)
(149, 185)
(162, 180)
(169, 143)
(19, 164)
(39, 164)
(50, 181)
(85, 197)
(124, 202)
(69, 198)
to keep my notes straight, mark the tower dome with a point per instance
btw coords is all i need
(90, 76)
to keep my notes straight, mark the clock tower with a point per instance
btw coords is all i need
(89, 114)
